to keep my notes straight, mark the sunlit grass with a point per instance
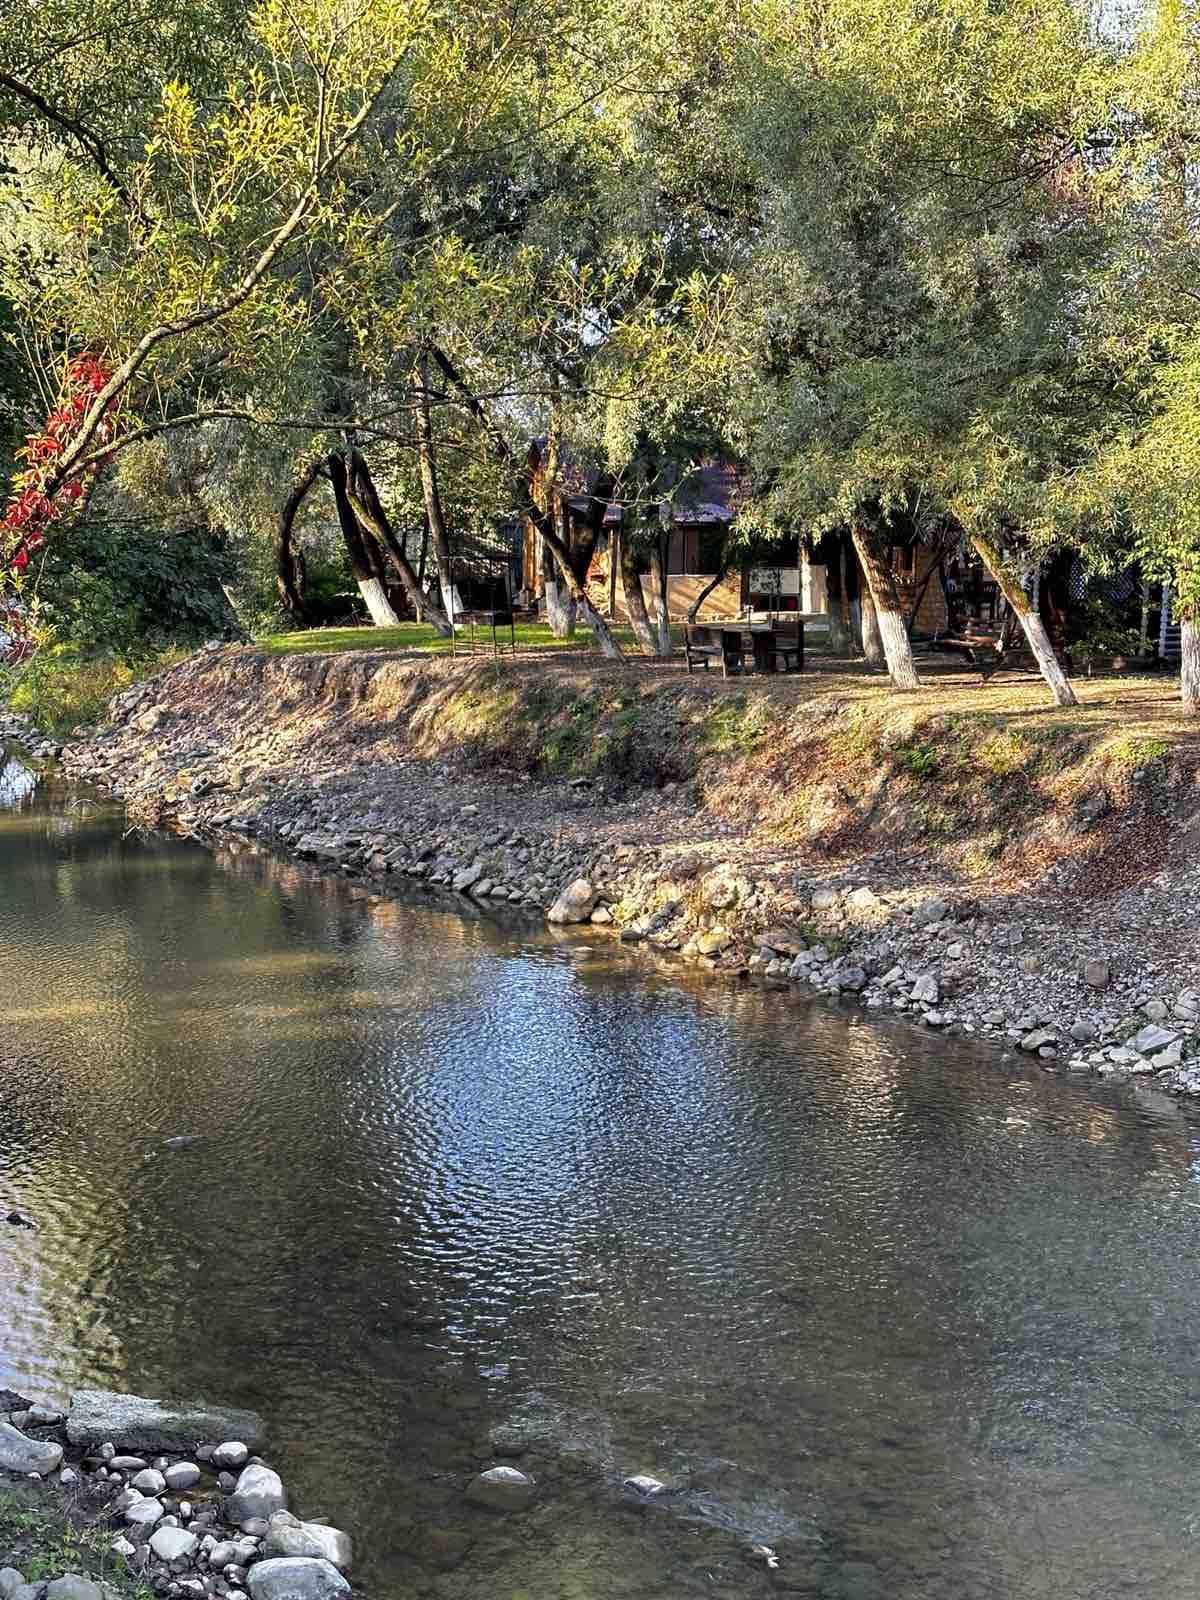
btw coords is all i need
(421, 636)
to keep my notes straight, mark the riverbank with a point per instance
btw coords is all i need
(966, 857)
(121, 1496)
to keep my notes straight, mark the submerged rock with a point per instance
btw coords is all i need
(502, 1489)
(137, 1423)
(288, 1536)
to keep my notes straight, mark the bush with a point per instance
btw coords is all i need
(62, 689)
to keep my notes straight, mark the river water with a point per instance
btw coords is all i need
(924, 1321)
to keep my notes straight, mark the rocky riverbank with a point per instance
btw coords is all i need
(165, 1496)
(1032, 889)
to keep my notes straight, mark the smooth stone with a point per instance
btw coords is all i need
(44, 1417)
(183, 1475)
(502, 1489)
(256, 1527)
(122, 1547)
(128, 1463)
(295, 1578)
(643, 1483)
(10, 1580)
(74, 1586)
(173, 1544)
(287, 1536)
(222, 1554)
(150, 1481)
(231, 1456)
(575, 904)
(68, 1476)
(21, 1454)
(144, 1513)
(97, 1415)
(259, 1493)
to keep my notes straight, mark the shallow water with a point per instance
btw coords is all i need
(924, 1321)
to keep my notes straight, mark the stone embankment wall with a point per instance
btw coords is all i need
(1035, 889)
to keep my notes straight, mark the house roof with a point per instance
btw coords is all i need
(708, 495)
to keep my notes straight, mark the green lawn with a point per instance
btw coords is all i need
(420, 636)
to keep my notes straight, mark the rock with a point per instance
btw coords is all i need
(502, 1489)
(230, 1456)
(930, 911)
(21, 1454)
(73, 1586)
(121, 1546)
(1170, 1057)
(255, 1526)
(1156, 1010)
(68, 1477)
(10, 1580)
(295, 1578)
(863, 899)
(286, 1536)
(44, 1417)
(642, 1483)
(714, 941)
(220, 1555)
(137, 1423)
(1151, 1039)
(925, 990)
(259, 1493)
(149, 1481)
(786, 941)
(1096, 974)
(11, 1401)
(853, 979)
(824, 899)
(128, 1463)
(183, 1475)
(143, 1514)
(467, 878)
(575, 903)
(173, 1544)
(1082, 1030)
(1033, 1042)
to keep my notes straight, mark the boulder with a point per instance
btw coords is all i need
(143, 1514)
(259, 1493)
(787, 941)
(1151, 1039)
(295, 1578)
(149, 1481)
(10, 1581)
(230, 1456)
(467, 878)
(930, 911)
(925, 990)
(183, 1475)
(173, 1544)
(502, 1489)
(131, 1420)
(1096, 974)
(74, 1586)
(288, 1536)
(714, 941)
(24, 1455)
(1033, 1042)
(575, 903)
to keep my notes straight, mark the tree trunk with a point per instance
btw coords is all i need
(604, 634)
(839, 634)
(662, 617)
(1189, 666)
(368, 510)
(1031, 623)
(374, 595)
(614, 556)
(289, 568)
(693, 611)
(560, 605)
(635, 600)
(872, 638)
(881, 584)
(430, 493)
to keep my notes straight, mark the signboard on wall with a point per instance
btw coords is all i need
(775, 580)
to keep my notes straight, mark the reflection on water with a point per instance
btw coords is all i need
(923, 1323)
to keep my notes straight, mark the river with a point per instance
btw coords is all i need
(921, 1319)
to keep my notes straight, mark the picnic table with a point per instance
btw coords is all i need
(775, 646)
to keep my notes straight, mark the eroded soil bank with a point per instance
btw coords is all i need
(964, 856)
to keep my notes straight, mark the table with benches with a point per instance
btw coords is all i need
(774, 646)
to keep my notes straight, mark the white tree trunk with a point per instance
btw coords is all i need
(872, 638)
(856, 627)
(897, 648)
(662, 619)
(1043, 654)
(1189, 667)
(377, 603)
(839, 633)
(560, 610)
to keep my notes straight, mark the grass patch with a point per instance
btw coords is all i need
(422, 636)
(1128, 751)
(46, 1532)
(1002, 754)
(62, 690)
(733, 727)
(920, 761)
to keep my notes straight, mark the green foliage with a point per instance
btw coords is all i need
(920, 761)
(734, 727)
(62, 689)
(105, 588)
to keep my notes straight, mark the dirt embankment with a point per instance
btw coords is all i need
(958, 857)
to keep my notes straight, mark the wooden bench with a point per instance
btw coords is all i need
(780, 645)
(702, 644)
